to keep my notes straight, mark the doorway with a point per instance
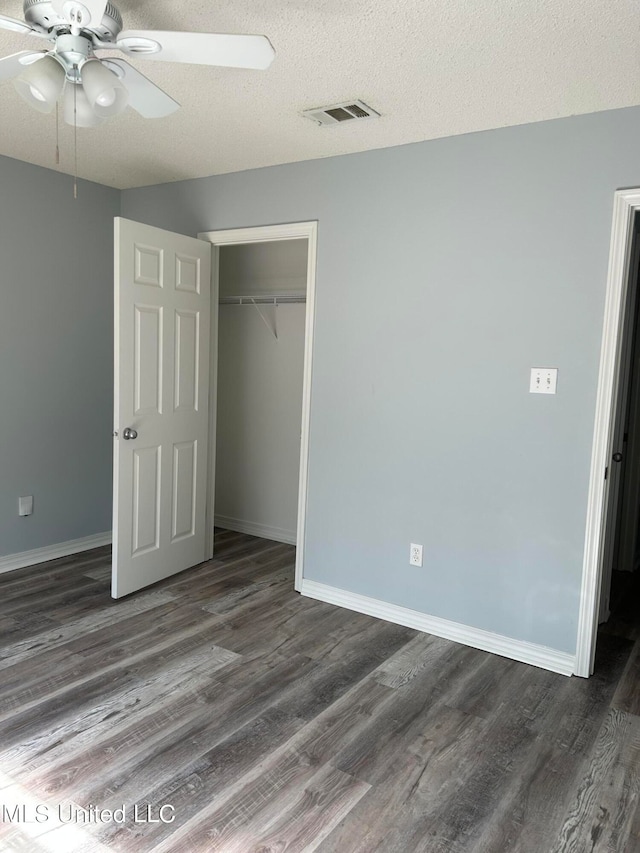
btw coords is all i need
(616, 424)
(620, 544)
(261, 315)
(265, 309)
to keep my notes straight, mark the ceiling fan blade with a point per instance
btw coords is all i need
(144, 96)
(14, 65)
(80, 13)
(16, 26)
(199, 48)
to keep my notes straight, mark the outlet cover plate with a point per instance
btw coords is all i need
(415, 555)
(25, 505)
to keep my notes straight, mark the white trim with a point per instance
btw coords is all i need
(53, 552)
(497, 644)
(626, 203)
(269, 233)
(213, 402)
(312, 236)
(259, 233)
(265, 531)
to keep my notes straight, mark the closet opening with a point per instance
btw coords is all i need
(263, 295)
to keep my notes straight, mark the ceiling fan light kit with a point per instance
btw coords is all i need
(76, 109)
(105, 93)
(93, 89)
(41, 84)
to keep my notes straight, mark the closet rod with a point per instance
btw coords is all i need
(261, 300)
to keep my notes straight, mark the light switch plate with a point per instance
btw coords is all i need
(544, 380)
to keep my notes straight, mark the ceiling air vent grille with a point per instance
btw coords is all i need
(338, 113)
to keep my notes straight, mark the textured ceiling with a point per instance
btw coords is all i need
(433, 68)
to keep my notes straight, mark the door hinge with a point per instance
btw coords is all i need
(606, 472)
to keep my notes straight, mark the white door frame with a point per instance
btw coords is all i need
(626, 203)
(263, 234)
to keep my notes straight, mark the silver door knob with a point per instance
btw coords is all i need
(129, 432)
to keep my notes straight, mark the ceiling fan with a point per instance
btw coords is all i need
(97, 89)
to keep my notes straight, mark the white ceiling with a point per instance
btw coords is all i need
(433, 68)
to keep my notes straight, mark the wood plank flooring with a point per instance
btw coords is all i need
(220, 712)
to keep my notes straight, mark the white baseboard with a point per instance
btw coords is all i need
(265, 531)
(497, 644)
(52, 552)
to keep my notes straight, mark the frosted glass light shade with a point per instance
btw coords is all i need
(105, 93)
(84, 114)
(41, 83)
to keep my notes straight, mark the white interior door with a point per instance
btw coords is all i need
(161, 404)
(617, 455)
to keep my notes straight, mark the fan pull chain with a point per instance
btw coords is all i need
(75, 135)
(57, 133)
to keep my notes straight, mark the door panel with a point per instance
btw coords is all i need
(162, 319)
(147, 344)
(146, 500)
(187, 337)
(187, 274)
(148, 265)
(185, 465)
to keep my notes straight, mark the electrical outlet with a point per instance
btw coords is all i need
(415, 555)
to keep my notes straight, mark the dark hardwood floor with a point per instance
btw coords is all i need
(220, 711)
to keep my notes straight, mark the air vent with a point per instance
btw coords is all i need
(338, 113)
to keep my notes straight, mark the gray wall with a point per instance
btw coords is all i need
(259, 413)
(56, 340)
(446, 270)
(278, 267)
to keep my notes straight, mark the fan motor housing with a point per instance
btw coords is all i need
(41, 14)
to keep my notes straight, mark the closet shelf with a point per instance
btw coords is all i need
(264, 299)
